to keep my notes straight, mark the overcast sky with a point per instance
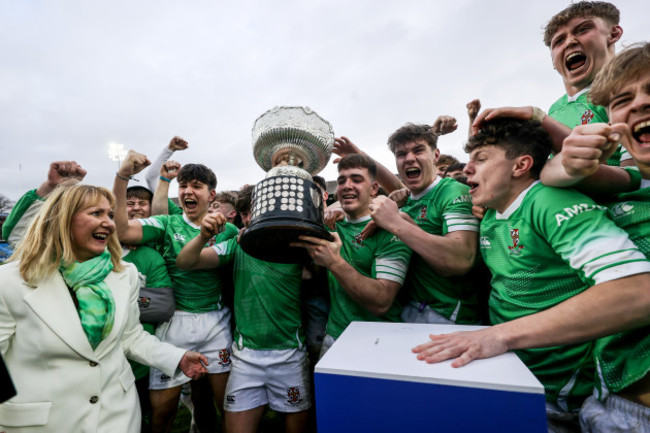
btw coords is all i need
(78, 75)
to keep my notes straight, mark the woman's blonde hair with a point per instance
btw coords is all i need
(48, 241)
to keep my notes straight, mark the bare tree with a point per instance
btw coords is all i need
(5, 204)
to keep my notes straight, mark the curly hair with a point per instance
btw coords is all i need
(604, 10)
(412, 132)
(517, 137)
(629, 65)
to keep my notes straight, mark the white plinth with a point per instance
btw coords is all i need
(370, 381)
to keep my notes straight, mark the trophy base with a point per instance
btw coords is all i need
(269, 240)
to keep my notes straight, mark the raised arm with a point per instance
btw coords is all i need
(194, 255)
(175, 144)
(128, 231)
(555, 129)
(343, 146)
(30, 204)
(473, 107)
(160, 201)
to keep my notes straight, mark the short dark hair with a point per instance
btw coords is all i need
(446, 159)
(604, 10)
(359, 161)
(320, 181)
(140, 192)
(517, 137)
(455, 167)
(412, 132)
(200, 172)
(244, 199)
(226, 197)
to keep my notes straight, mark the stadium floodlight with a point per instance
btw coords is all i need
(117, 153)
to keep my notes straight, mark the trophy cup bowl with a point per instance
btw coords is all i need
(291, 144)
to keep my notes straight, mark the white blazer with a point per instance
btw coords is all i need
(62, 384)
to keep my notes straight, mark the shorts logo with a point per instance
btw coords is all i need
(423, 213)
(179, 237)
(516, 247)
(294, 396)
(224, 357)
(165, 378)
(586, 117)
(230, 399)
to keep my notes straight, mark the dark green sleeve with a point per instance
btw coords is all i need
(172, 209)
(18, 211)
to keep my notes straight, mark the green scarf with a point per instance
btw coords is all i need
(96, 304)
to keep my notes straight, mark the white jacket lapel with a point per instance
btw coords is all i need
(53, 304)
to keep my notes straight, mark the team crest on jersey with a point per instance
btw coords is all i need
(586, 117)
(516, 247)
(358, 240)
(423, 213)
(293, 395)
(224, 357)
(179, 237)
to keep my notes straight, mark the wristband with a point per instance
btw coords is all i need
(165, 179)
(117, 173)
(538, 115)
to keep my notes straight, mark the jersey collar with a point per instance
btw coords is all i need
(515, 204)
(358, 220)
(577, 95)
(435, 182)
(187, 220)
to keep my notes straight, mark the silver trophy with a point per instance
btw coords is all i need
(291, 144)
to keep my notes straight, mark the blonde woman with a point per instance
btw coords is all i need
(69, 319)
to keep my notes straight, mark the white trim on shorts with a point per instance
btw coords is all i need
(279, 378)
(206, 333)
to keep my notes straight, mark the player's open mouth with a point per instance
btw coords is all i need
(641, 132)
(349, 196)
(412, 173)
(100, 236)
(575, 61)
(190, 204)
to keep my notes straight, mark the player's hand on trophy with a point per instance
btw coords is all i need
(134, 163)
(212, 225)
(323, 252)
(463, 346)
(177, 143)
(343, 146)
(170, 169)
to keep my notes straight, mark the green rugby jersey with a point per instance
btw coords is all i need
(381, 256)
(194, 291)
(578, 110)
(549, 245)
(267, 300)
(624, 358)
(444, 207)
(152, 272)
